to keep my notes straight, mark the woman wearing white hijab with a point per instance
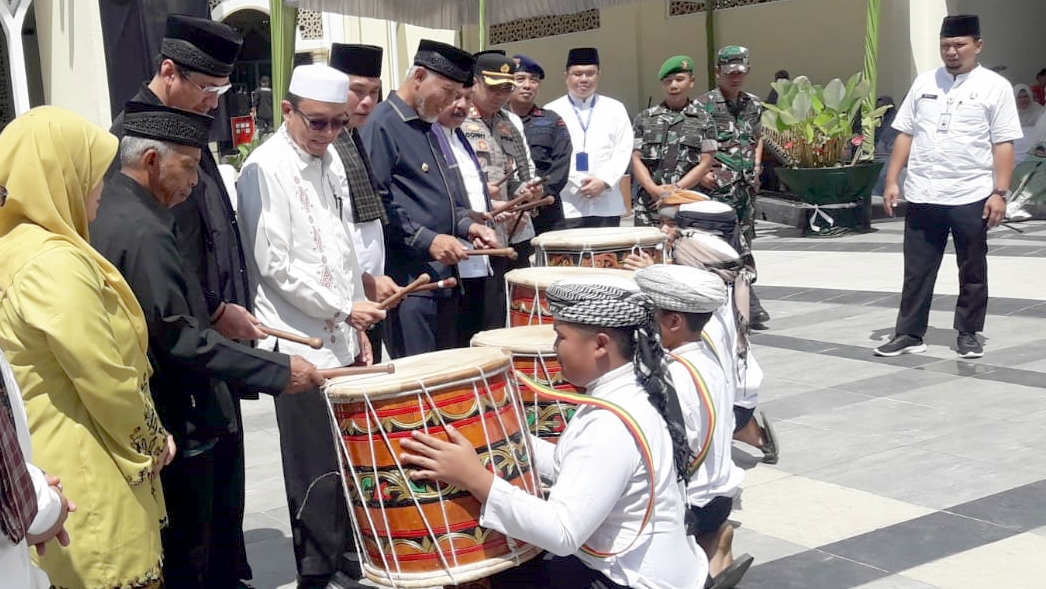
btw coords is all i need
(1028, 110)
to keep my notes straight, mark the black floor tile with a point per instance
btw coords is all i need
(918, 541)
(1020, 509)
(1029, 378)
(898, 382)
(812, 569)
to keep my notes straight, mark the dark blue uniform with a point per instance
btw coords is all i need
(550, 148)
(424, 197)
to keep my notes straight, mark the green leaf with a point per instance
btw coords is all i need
(825, 121)
(834, 94)
(802, 106)
(788, 119)
(770, 119)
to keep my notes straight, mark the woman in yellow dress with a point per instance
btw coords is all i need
(76, 339)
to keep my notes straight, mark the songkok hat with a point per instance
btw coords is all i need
(603, 301)
(446, 60)
(201, 44)
(583, 56)
(356, 60)
(527, 65)
(675, 65)
(684, 289)
(319, 82)
(733, 58)
(167, 124)
(962, 25)
(495, 68)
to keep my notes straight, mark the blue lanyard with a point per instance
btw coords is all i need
(584, 125)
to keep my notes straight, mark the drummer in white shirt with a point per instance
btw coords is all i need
(607, 523)
(957, 127)
(685, 299)
(601, 135)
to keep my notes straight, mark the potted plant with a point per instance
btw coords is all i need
(825, 162)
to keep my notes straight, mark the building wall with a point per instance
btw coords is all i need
(72, 58)
(1013, 35)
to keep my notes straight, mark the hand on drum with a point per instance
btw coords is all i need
(446, 249)
(637, 261)
(304, 376)
(453, 462)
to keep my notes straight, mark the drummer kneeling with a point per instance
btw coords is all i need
(616, 469)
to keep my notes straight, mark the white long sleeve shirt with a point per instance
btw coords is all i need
(743, 378)
(298, 241)
(954, 122)
(608, 143)
(18, 569)
(600, 492)
(474, 266)
(717, 475)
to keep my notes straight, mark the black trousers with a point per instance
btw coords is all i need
(579, 222)
(926, 229)
(472, 312)
(375, 335)
(230, 482)
(422, 324)
(322, 535)
(189, 490)
(553, 572)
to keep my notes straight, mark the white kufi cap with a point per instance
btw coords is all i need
(319, 82)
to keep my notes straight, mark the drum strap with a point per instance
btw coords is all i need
(708, 408)
(633, 428)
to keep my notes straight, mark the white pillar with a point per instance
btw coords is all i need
(72, 58)
(924, 22)
(12, 17)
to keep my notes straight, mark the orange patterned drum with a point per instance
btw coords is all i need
(533, 353)
(419, 533)
(597, 247)
(525, 290)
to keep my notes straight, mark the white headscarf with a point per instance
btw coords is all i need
(1029, 116)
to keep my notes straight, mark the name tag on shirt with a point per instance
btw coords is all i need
(945, 121)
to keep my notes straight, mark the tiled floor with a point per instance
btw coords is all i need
(917, 472)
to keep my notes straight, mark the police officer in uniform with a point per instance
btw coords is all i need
(738, 162)
(548, 138)
(674, 142)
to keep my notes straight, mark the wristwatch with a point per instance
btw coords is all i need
(1001, 192)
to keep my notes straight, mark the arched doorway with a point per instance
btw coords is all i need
(255, 58)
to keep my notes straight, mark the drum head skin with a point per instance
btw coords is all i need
(542, 276)
(432, 369)
(529, 339)
(598, 237)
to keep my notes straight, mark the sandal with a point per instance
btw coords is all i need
(729, 577)
(769, 447)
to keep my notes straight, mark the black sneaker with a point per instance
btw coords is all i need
(968, 345)
(901, 344)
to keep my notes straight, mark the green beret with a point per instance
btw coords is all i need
(675, 65)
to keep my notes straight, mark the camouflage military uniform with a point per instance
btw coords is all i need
(501, 150)
(738, 129)
(669, 143)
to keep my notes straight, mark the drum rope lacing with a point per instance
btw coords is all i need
(529, 477)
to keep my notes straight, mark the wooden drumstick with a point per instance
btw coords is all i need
(392, 300)
(533, 205)
(330, 373)
(445, 283)
(501, 208)
(313, 342)
(501, 252)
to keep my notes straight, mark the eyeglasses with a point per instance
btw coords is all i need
(322, 124)
(3, 195)
(218, 90)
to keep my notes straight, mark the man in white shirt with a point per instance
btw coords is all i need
(609, 523)
(475, 271)
(298, 240)
(601, 134)
(32, 508)
(685, 299)
(956, 129)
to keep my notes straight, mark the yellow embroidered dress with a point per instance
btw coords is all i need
(76, 339)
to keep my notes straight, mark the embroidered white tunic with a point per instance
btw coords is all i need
(954, 121)
(600, 492)
(717, 475)
(298, 241)
(608, 143)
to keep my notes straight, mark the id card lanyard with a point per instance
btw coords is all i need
(581, 158)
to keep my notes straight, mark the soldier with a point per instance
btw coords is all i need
(547, 136)
(734, 178)
(674, 141)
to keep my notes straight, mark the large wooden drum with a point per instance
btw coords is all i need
(525, 290)
(421, 533)
(597, 247)
(533, 354)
